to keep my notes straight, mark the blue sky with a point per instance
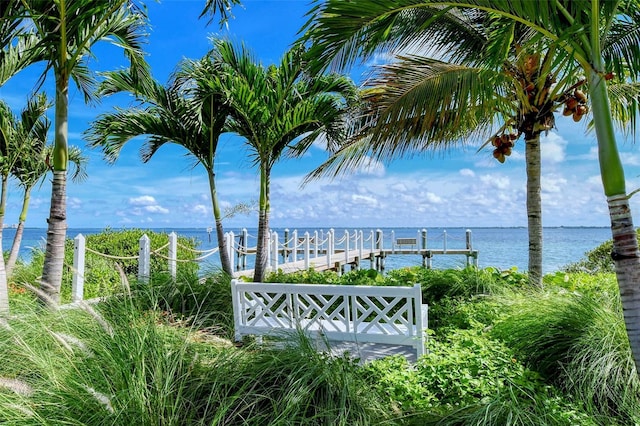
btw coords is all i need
(461, 188)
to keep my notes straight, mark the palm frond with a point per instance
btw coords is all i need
(221, 8)
(625, 105)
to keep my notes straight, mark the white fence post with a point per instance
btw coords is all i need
(380, 246)
(424, 239)
(144, 259)
(294, 237)
(329, 247)
(445, 240)
(274, 249)
(393, 242)
(346, 247)
(285, 249)
(307, 251)
(372, 256)
(245, 246)
(379, 239)
(173, 254)
(77, 285)
(315, 244)
(230, 239)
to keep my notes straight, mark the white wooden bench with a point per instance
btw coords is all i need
(372, 314)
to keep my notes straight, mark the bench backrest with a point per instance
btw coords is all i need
(379, 314)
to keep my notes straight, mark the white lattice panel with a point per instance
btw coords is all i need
(377, 314)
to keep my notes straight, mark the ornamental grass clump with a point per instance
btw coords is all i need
(577, 342)
(117, 363)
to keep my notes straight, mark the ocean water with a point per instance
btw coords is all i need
(503, 248)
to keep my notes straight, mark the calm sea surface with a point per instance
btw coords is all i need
(498, 247)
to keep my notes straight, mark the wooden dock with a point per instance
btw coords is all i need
(354, 250)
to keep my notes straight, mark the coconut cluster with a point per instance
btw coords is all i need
(576, 105)
(503, 143)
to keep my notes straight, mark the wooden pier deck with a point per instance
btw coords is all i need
(355, 259)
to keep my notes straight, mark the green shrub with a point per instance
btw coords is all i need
(309, 276)
(457, 283)
(595, 285)
(516, 405)
(456, 313)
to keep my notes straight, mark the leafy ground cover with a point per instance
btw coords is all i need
(500, 353)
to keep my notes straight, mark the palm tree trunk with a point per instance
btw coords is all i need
(4, 289)
(625, 243)
(263, 226)
(57, 230)
(56, 234)
(224, 256)
(534, 210)
(17, 239)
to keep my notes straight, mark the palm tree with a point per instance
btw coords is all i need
(167, 115)
(599, 37)
(420, 103)
(32, 168)
(13, 146)
(278, 110)
(66, 32)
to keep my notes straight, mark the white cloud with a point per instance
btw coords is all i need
(552, 183)
(553, 148)
(199, 209)
(433, 198)
(156, 209)
(144, 200)
(74, 203)
(371, 201)
(467, 173)
(495, 181)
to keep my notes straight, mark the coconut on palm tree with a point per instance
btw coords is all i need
(278, 110)
(66, 31)
(598, 37)
(167, 115)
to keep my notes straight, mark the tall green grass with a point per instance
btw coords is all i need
(577, 342)
(118, 364)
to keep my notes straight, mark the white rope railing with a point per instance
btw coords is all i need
(143, 258)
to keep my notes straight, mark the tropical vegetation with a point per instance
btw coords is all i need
(168, 115)
(597, 37)
(64, 33)
(500, 353)
(277, 110)
(448, 83)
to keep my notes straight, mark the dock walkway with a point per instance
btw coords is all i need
(324, 251)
